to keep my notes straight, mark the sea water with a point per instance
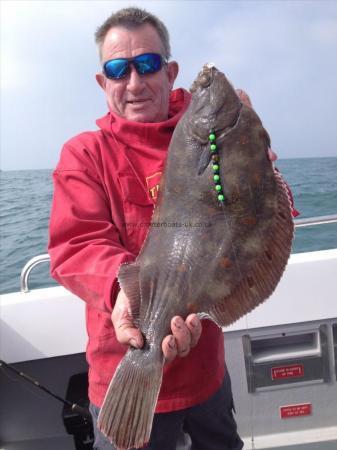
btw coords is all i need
(26, 200)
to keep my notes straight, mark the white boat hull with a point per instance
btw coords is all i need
(43, 332)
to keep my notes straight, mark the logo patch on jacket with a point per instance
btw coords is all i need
(152, 183)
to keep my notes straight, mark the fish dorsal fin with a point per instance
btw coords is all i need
(128, 278)
(264, 276)
(204, 160)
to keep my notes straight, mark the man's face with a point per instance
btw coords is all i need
(139, 98)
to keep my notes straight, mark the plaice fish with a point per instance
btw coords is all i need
(218, 252)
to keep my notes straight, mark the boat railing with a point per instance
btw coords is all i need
(312, 221)
(29, 266)
(33, 262)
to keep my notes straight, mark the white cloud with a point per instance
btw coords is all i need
(14, 72)
(281, 52)
(324, 31)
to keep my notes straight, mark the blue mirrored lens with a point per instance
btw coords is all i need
(146, 63)
(116, 68)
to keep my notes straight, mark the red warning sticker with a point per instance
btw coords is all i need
(299, 410)
(293, 371)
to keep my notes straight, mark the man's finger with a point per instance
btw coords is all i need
(127, 334)
(244, 97)
(169, 348)
(194, 325)
(182, 336)
(272, 155)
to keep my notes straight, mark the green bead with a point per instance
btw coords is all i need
(215, 167)
(213, 147)
(211, 137)
(216, 178)
(218, 187)
(221, 198)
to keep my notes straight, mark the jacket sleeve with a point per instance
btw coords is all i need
(84, 244)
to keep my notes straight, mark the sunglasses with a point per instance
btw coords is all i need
(144, 64)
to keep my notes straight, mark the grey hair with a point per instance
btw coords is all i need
(133, 18)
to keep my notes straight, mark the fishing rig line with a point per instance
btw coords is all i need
(216, 166)
(81, 410)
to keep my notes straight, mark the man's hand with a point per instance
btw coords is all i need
(185, 334)
(244, 97)
(126, 332)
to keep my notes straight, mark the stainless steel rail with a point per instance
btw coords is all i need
(311, 221)
(29, 266)
(299, 223)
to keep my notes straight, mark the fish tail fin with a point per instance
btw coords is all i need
(127, 413)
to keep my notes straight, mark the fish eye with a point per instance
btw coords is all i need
(204, 80)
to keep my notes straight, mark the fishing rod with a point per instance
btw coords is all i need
(81, 410)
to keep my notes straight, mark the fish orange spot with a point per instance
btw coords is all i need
(257, 178)
(235, 195)
(192, 307)
(249, 220)
(182, 268)
(177, 189)
(211, 211)
(243, 140)
(225, 262)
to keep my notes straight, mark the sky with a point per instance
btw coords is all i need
(282, 52)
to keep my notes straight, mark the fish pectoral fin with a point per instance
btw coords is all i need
(204, 160)
(128, 409)
(266, 272)
(128, 278)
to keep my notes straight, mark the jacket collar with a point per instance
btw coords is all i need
(144, 135)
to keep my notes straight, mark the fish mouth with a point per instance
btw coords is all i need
(204, 78)
(215, 105)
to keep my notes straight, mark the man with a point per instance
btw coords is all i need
(106, 185)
